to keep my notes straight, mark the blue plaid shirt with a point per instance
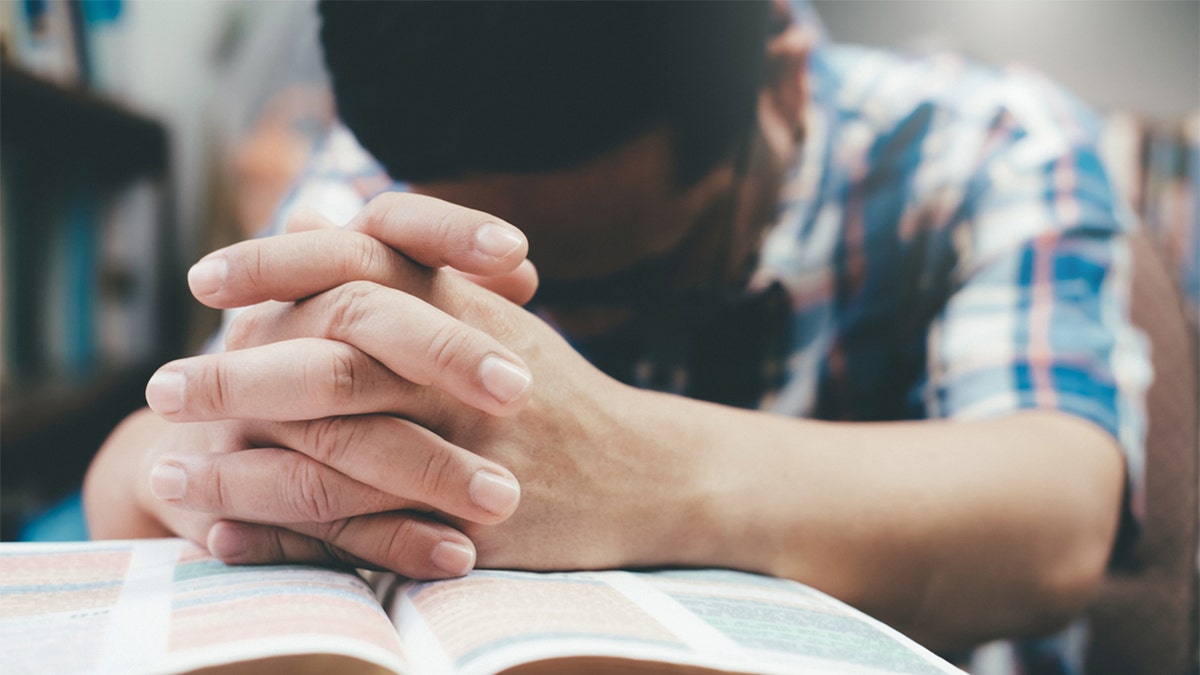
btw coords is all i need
(953, 224)
(950, 245)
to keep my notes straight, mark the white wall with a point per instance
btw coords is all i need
(1142, 55)
(168, 73)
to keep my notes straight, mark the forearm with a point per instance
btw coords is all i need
(952, 531)
(113, 499)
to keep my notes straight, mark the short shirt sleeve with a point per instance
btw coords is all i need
(1039, 317)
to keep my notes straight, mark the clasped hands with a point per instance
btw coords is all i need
(384, 401)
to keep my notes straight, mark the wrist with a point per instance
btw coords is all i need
(744, 496)
(692, 514)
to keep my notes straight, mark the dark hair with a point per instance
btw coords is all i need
(437, 90)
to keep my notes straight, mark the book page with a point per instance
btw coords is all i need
(713, 620)
(166, 606)
(784, 622)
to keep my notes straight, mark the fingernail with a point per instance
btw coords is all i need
(164, 391)
(454, 559)
(226, 542)
(168, 482)
(497, 241)
(503, 379)
(208, 276)
(494, 493)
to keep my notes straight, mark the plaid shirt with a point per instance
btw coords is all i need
(950, 247)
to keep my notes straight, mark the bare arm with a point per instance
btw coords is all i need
(954, 532)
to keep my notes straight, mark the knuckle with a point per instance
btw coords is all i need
(272, 543)
(379, 210)
(337, 556)
(330, 534)
(328, 439)
(449, 345)
(309, 493)
(444, 228)
(397, 547)
(437, 474)
(331, 381)
(218, 492)
(215, 388)
(264, 323)
(348, 306)
(364, 256)
(337, 539)
(256, 266)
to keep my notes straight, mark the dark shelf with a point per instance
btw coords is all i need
(29, 412)
(74, 125)
(66, 152)
(50, 432)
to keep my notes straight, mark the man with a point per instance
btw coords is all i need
(900, 285)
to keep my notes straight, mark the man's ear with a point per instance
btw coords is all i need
(785, 75)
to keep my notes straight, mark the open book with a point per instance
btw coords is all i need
(165, 606)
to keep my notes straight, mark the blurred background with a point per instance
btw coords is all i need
(136, 135)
